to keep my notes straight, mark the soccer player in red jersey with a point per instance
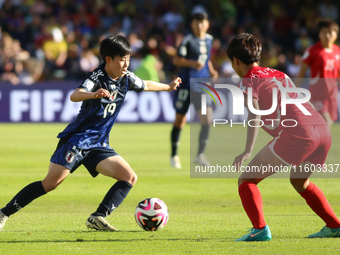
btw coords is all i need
(323, 58)
(299, 139)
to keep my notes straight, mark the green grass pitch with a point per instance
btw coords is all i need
(205, 214)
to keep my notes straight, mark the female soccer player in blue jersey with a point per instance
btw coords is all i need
(86, 139)
(193, 58)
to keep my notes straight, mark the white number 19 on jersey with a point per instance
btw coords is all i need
(109, 108)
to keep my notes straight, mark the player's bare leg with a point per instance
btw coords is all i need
(180, 120)
(251, 196)
(264, 157)
(56, 174)
(317, 201)
(327, 118)
(300, 179)
(206, 121)
(117, 168)
(179, 124)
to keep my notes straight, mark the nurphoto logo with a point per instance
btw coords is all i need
(289, 95)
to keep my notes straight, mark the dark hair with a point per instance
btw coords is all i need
(114, 46)
(246, 48)
(330, 24)
(199, 16)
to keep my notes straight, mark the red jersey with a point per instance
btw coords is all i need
(262, 80)
(324, 63)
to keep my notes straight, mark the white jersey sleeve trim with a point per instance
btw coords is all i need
(209, 36)
(137, 82)
(305, 55)
(186, 39)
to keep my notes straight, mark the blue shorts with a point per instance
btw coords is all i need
(71, 157)
(182, 100)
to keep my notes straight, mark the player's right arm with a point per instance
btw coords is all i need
(302, 73)
(183, 62)
(252, 132)
(81, 94)
(89, 89)
(306, 61)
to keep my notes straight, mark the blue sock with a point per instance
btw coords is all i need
(174, 140)
(24, 197)
(113, 198)
(203, 138)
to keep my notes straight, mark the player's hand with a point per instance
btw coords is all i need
(59, 62)
(198, 65)
(100, 93)
(214, 75)
(238, 161)
(175, 84)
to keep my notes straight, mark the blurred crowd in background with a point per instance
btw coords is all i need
(59, 39)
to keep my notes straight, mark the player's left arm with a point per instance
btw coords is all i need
(252, 132)
(81, 94)
(156, 86)
(212, 71)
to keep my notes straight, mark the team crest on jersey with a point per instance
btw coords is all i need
(70, 156)
(113, 87)
(113, 95)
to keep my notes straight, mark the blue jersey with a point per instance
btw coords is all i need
(92, 126)
(197, 49)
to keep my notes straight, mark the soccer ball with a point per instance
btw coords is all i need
(151, 214)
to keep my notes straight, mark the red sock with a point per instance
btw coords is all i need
(319, 204)
(252, 203)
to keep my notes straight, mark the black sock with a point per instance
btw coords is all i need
(24, 197)
(174, 140)
(203, 138)
(114, 197)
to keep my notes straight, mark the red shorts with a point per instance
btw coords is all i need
(302, 143)
(329, 105)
